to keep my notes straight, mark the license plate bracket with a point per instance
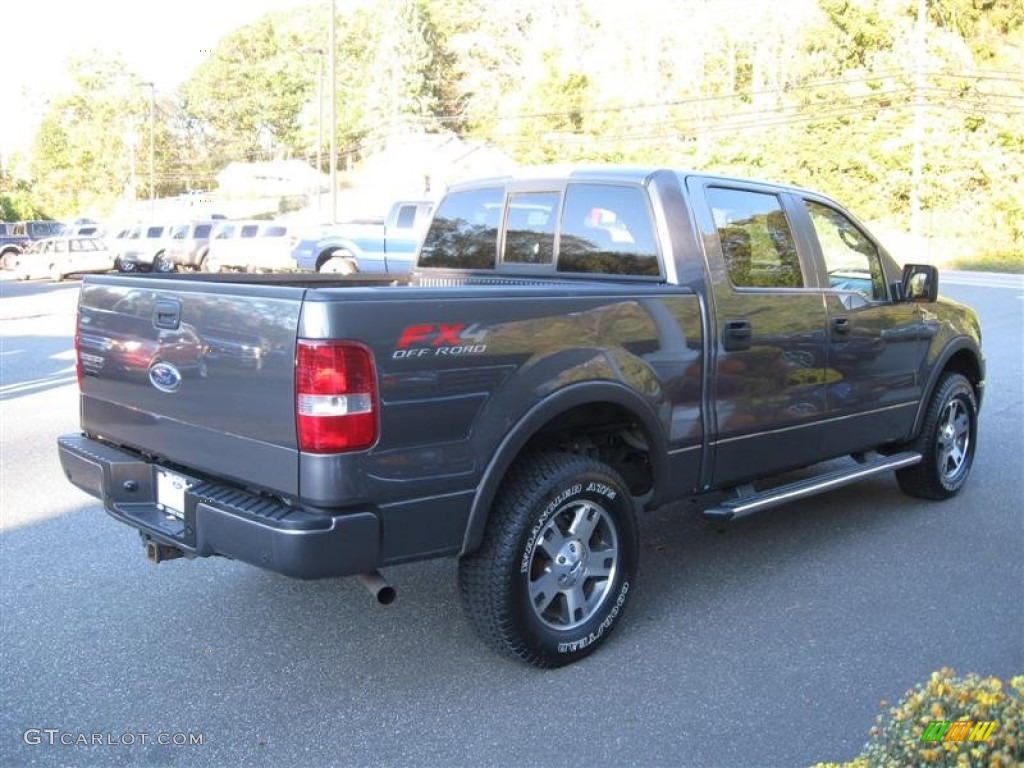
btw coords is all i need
(170, 492)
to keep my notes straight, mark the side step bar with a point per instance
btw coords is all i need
(748, 505)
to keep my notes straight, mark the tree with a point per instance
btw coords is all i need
(95, 138)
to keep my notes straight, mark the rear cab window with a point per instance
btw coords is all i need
(464, 232)
(579, 227)
(607, 229)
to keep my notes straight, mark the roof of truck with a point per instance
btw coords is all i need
(636, 174)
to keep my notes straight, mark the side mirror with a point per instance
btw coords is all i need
(920, 283)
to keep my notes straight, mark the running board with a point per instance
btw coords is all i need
(748, 505)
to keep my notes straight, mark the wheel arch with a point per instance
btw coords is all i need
(328, 250)
(959, 356)
(573, 407)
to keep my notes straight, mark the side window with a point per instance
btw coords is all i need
(406, 217)
(154, 233)
(530, 228)
(464, 232)
(851, 260)
(179, 232)
(249, 230)
(757, 242)
(607, 229)
(225, 232)
(202, 231)
(275, 230)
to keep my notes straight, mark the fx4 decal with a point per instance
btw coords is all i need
(435, 340)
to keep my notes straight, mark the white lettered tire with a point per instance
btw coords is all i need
(557, 564)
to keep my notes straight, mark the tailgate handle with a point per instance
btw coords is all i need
(167, 314)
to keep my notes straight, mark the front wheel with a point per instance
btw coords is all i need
(557, 563)
(946, 443)
(125, 266)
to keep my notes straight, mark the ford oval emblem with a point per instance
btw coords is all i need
(165, 377)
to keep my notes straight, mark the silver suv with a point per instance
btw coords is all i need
(142, 248)
(188, 246)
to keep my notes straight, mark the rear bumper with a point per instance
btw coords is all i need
(221, 520)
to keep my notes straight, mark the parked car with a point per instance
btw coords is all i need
(142, 248)
(251, 246)
(188, 246)
(57, 257)
(19, 235)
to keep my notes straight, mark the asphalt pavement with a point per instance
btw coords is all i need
(767, 642)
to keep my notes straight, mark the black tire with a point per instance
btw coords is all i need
(162, 264)
(946, 443)
(126, 266)
(548, 604)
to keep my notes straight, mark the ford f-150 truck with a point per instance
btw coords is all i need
(374, 246)
(574, 346)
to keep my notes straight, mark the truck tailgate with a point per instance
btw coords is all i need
(196, 374)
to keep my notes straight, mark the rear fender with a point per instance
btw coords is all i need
(572, 396)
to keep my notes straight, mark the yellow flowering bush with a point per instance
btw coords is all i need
(895, 739)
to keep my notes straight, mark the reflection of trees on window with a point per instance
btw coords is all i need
(530, 229)
(459, 244)
(851, 259)
(757, 242)
(464, 232)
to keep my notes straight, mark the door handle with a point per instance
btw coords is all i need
(737, 335)
(841, 326)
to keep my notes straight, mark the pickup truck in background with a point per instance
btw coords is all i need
(374, 246)
(572, 347)
(16, 237)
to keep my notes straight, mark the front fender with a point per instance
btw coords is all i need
(960, 354)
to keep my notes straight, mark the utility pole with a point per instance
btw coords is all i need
(152, 147)
(319, 124)
(333, 53)
(917, 152)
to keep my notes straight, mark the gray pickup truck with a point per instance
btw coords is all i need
(572, 347)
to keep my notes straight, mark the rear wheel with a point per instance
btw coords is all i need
(125, 266)
(162, 263)
(339, 263)
(946, 443)
(557, 563)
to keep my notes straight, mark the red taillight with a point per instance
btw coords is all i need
(335, 396)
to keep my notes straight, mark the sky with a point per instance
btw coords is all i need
(162, 42)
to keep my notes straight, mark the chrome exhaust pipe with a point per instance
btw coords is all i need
(378, 586)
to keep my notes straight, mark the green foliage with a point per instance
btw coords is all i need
(895, 740)
(17, 202)
(816, 92)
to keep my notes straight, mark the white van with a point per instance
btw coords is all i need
(251, 246)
